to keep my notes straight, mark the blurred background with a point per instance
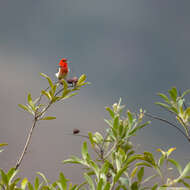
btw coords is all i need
(128, 49)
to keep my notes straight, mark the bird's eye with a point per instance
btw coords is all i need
(64, 60)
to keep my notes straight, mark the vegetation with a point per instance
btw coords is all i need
(114, 164)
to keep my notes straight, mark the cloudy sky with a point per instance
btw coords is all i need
(129, 49)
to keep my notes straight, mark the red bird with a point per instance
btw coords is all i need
(63, 69)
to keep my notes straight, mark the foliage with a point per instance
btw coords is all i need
(175, 104)
(53, 95)
(109, 160)
(1, 145)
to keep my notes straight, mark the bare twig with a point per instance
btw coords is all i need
(26, 145)
(169, 123)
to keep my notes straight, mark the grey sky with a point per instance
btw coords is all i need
(128, 48)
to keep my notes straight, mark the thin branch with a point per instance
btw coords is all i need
(26, 145)
(36, 118)
(169, 123)
(111, 150)
(62, 90)
(77, 135)
(102, 147)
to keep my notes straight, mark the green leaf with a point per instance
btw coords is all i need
(48, 78)
(26, 108)
(4, 177)
(69, 96)
(154, 187)
(163, 105)
(107, 186)
(185, 171)
(134, 186)
(83, 84)
(24, 183)
(176, 164)
(98, 137)
(132, 159)
(149, 158)
(161, 161)
(84, 150)
(130, 117)
(133, 131)
(187, 112)
(105, 167)
(144, 164)
(65, 84)
(100, 184)
(43, 177)
(81, 79)
(47, 94)
(30, 187)
(164, 97)
(90, 135)
(54, 89)
(121, 187)
(11, 174)
(173, 93)
(111, 112)
(48, 118)
(94, 167)
(63, 181)
(124, 181)
(184, 183)
(3, 144)
(65, 93)
(140, 174)
(133, 173)
(36, 183)
(73, 160)
(149, 178)
(185, 93)
(170, 151)
(30, 102)
(116, 122)
(123, 169)
(90, 181)
(108, 122)
(15, 181)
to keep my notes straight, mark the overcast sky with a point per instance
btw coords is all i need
(127, 48)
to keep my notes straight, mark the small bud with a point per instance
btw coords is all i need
(76, 131)
(73, 80)
(115, 107)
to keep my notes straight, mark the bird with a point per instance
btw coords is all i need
(63, 69)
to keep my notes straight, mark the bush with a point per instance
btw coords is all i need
(115, 165)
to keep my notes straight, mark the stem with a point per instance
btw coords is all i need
(102, 147)
(169, 123)
(113, 147)
(184, 125)
(158, 170)
(36, 117)
(26, 145)
(45, 109)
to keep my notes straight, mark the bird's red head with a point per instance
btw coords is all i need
(63, 63)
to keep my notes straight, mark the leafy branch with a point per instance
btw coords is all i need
(53, 94)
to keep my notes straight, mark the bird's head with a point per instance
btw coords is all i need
(63, 63)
